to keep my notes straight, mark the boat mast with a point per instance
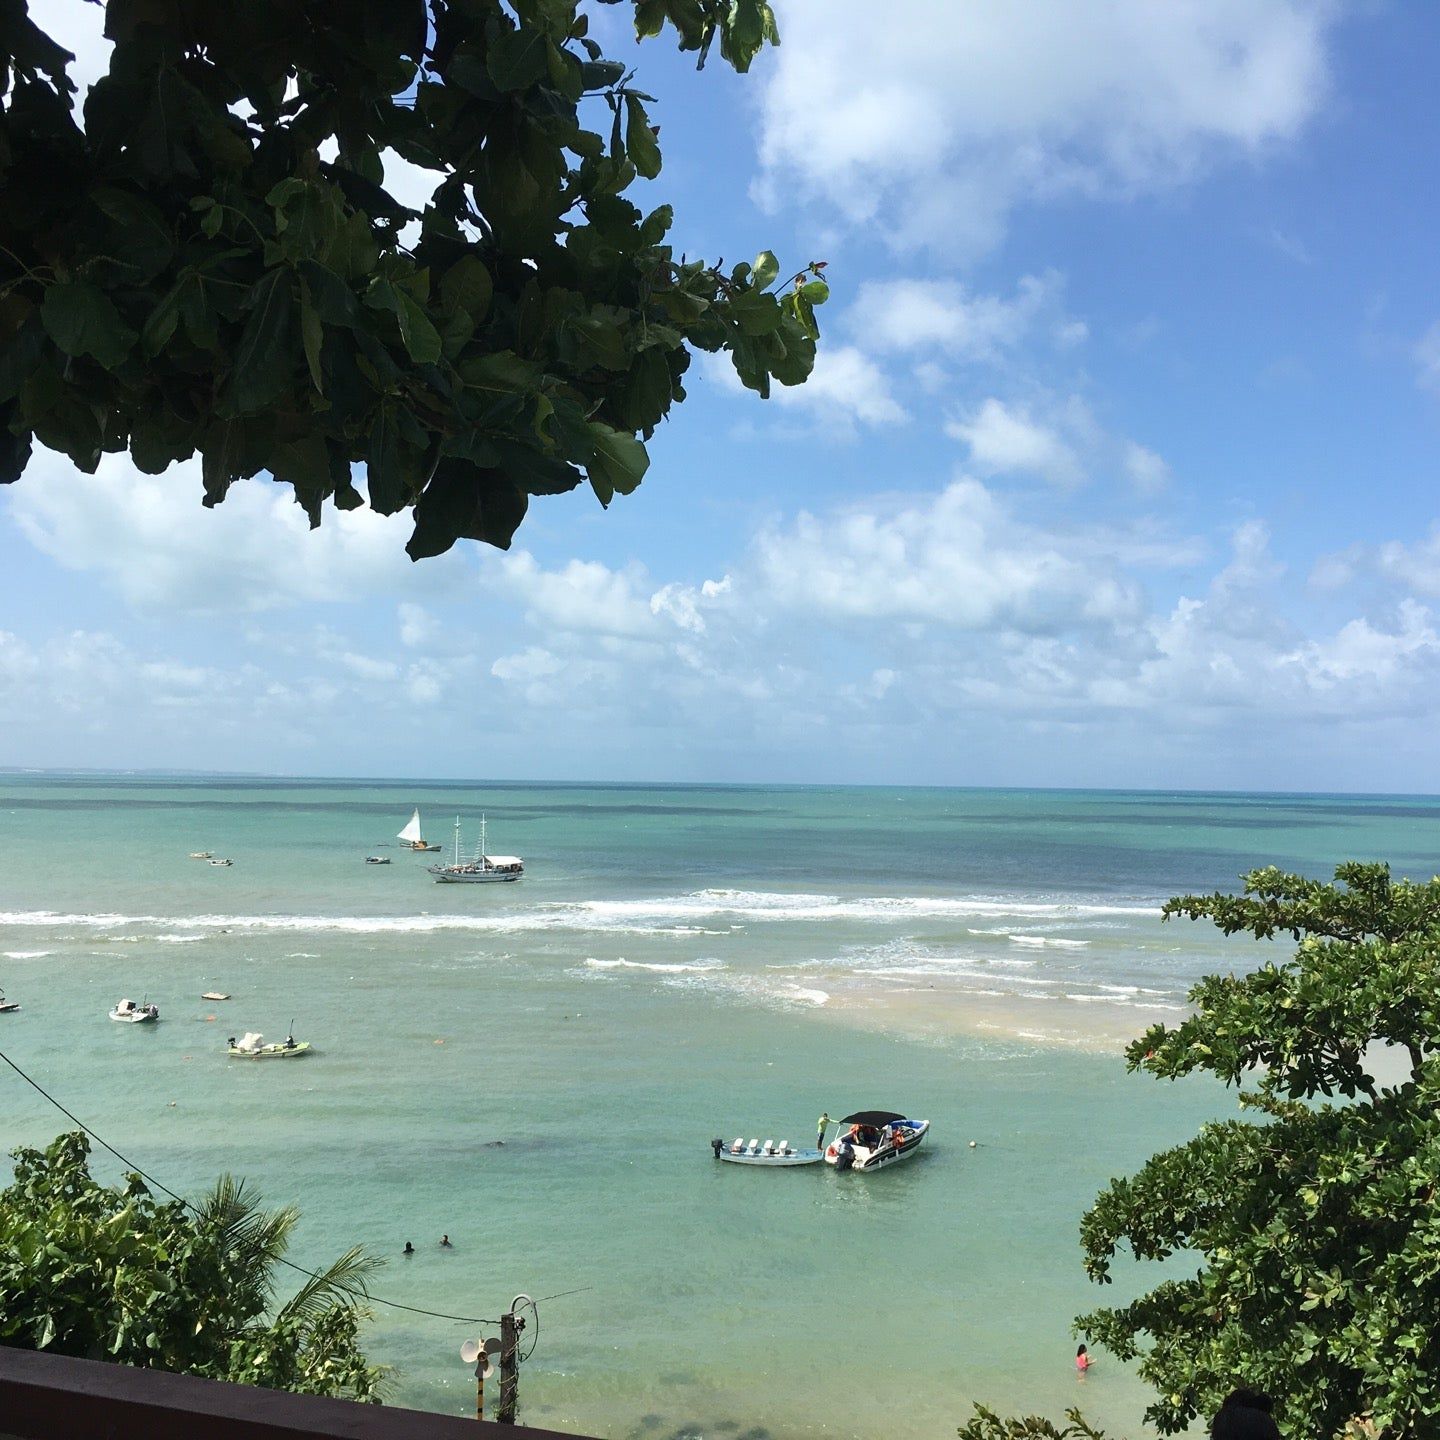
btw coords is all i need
(484, 863)
(457, 842)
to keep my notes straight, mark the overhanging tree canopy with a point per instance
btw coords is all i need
(1317, 1229)
(206, 258)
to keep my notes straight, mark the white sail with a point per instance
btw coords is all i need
(411, 833)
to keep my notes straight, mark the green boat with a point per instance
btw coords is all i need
(251, 1046)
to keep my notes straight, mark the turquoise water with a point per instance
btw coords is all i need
(538, 1068)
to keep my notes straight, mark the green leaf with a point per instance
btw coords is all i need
(262, 358)
(469, 501)
(82, 320)
(422, 340)
(766, 268)
(620, 461)
(517, 58)
(467, 286)
(312, 336)
(640, 142)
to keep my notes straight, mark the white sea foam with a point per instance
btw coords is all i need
(27, 954)
(679, 915)
(1047, 941)
(809, 996)
(656, 968)
(179, 939)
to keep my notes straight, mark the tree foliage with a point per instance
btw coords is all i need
(987, 1425)
(1315, 1222)
(114, 1274)
(206, 258)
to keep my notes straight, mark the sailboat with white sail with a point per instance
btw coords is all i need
(482, 868)
(410, 837)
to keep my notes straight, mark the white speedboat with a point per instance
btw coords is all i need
(129, 1013)
(7, 1006)
(251, 1046)
(377, 859)
(410, 837)
(872, 1139)
(202, 854)
(481, 868)
(741, 1152)
(220, 862)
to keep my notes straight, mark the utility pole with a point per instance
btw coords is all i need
(509, 1369)
(480, 1368)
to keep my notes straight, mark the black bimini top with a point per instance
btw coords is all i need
(872, 1117)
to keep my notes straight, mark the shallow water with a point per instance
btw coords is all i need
(538, 1068)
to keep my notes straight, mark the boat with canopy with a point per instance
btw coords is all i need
(251, 1046)
(872, 1139)
(481, 868)
(129, 1013)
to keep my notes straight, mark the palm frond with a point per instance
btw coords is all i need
(345, 1281)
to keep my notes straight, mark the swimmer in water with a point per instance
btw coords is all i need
(409, 1249)
(445, 1242)
(1082, 1361)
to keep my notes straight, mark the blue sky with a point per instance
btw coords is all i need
(1117, 467)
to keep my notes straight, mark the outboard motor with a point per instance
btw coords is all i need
(717, 1146)
(844, 1156)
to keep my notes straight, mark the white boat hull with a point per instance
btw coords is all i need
(478, 877)
(883, 1155)
(137, 1018)
(798, 1157)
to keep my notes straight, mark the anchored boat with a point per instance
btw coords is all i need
(411, 838)
(7, 1006)
(481, 868)
(738, 1152)
(872, 1139)
(251, 1046)
(129, 1013)
(377, 859)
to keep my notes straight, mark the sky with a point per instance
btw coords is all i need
(1116, 469)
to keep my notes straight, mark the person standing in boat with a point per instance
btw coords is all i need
(821, 1125)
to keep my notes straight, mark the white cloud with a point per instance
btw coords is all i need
(418, 627)
(1147, 470)
(1006, 439)
(929, 124)
(845, 388)
(1416, 566)
(897, 315)
(1426, 354)
(961, 560)
(150, 537)
(583, 596)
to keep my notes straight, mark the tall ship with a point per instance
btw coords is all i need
(410, 837)
(482, 868)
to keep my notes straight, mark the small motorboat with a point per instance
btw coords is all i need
(129, 1013)
(213, 861)
(214, 995)
(251, 1046)
(377, 859)
(874, 1139)
(202, 854)
(7, 1006)
(741, 1152)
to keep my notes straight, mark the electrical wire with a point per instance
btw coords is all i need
(311, 1274)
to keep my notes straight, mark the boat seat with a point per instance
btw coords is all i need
(738, 1147)
(768, 1148)
(784, 1148)
(754, 1147)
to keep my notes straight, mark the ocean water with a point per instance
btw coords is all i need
(537, 1069)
